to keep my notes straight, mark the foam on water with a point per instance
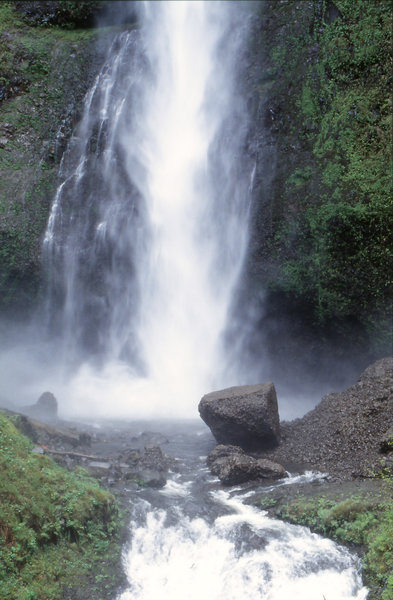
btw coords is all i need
(243, 555)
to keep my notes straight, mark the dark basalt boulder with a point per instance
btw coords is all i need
(246, 416)
(232, 466)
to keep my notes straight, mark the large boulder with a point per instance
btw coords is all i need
(246, 416)
(232, 466)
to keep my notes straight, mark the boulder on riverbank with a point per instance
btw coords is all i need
(149, 467)
(246, 416)
(232, 466)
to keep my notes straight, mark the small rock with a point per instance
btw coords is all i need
(98, 468)
(233, 466)
(154, 458)
(152, 478)
(148, 468)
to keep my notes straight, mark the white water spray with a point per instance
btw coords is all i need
(240, 556)
(148, 233)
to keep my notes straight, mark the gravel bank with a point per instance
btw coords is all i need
(343, 434)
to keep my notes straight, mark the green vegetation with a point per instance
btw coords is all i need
(59, 530)
(361, 521)
(332, 217)
(66, 13)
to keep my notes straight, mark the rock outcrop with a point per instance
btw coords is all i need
(44, 77)
(232, 466)
(246, 416)
(61, 437)
(387, 441)
(45, 408)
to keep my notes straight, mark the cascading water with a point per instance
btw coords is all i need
(143, 252)
(148, 230)
(193, 540)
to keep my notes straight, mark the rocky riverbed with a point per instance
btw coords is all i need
(348, 436)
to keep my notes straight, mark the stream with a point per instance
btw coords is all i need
(196, 539)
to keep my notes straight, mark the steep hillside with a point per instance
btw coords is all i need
(59, 531)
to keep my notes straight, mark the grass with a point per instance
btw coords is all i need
(59, 530)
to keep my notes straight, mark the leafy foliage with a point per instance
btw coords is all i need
(66, 13)
(334, 216)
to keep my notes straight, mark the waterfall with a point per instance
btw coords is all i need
(143, 256)
(149, 227)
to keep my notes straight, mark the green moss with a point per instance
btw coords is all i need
(58, 530)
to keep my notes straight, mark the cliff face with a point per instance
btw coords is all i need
(319, 85)
(45, 73)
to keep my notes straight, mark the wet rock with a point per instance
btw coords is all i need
(132, 458)
(147, 467)
(98, 468)
(151, 478)
(154, 458)
(7, 130)
(387, 441)
(246, 416)
(232, 466)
